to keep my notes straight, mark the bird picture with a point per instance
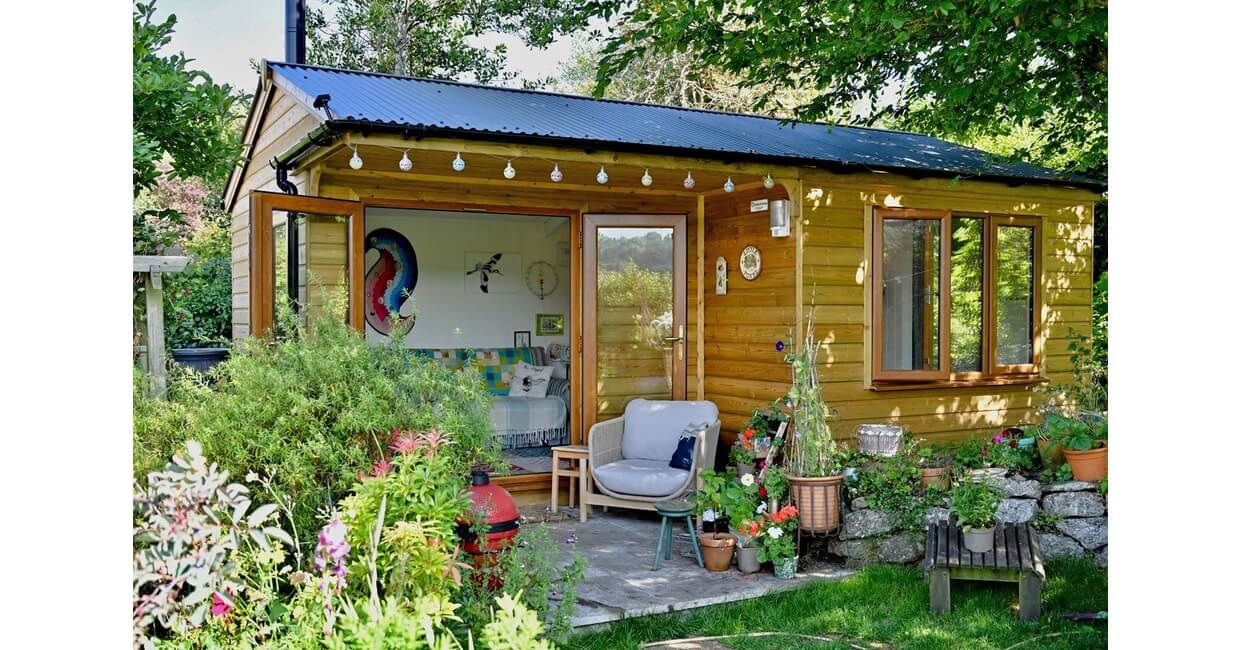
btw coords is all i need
(486, 269)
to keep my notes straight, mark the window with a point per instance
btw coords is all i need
(954, 296)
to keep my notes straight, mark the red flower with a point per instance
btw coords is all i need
(763, 492)
(748, 434)
(221, 607)
(784, 514)
(1013, 442)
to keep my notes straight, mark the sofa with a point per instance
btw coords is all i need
(519, 421)
(630, 454)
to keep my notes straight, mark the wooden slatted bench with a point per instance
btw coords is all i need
(1016, 557)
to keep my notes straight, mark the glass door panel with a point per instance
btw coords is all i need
(635, 304)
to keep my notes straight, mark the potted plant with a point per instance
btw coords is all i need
(749, 532)
(813, 462)
(726, 500)
(776, 484)
(777, 543)
(742, 458)
(1084, 444)
(935, 467)
(976, 503)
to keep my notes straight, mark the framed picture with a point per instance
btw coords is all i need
(549, 324)
(521, 339)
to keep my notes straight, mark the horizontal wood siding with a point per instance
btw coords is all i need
(743, 370)
(283, 123)
(835, 258)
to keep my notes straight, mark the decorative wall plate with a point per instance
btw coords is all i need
(542, 279)
(749, 263)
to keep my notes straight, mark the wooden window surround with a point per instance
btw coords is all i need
(992, 372)
(261, 272)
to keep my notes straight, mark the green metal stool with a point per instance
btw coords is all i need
(670, 510)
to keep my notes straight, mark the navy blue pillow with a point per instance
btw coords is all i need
(684, 454)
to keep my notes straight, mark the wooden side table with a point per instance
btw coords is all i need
(578, 458)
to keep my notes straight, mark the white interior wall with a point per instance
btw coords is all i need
(448, 316)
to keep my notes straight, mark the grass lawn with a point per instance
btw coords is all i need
(886, 607)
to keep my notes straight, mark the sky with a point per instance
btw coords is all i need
(222, 35)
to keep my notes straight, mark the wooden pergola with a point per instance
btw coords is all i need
(152, 267)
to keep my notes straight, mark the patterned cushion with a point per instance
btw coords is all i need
(495, 364)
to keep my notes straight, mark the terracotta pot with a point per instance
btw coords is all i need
(718, 550)
(819, 501)
(748, 559)
(1088, 465)
(939, 476)
(1050, 452)
(979, 540)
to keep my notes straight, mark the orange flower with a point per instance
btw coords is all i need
(784, 514)
(748, 434)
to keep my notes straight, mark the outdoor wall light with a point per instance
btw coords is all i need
(779, 217)
(602, 176)
(356, 162)
(646, 178)
(556, 174)
(729, 184)
(458, 163)
(769, 182)
(405, 163)
(509, 172)
(689, 182)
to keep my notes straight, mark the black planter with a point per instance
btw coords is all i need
(199, 359)
(721, 525)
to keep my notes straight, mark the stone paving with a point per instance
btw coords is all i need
(619, 547)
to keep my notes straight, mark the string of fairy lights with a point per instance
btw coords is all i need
(458, 164)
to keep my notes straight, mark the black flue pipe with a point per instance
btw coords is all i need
(296, 32)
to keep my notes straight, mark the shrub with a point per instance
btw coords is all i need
(189, 524)
(893, 486)
(197, 300)
(975, 503)
(312, 411)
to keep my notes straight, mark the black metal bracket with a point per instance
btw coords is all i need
(284, 183)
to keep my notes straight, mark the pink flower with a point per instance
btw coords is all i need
(381, 468)
(221, 607)
(406, 443)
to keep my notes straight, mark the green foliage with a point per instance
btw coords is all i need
(312, 410)
(779, 538)
(893, 486)
(189, 524)
(514, 627)
(1047, 520)
(955, 69)
(398, 625)
(1060, 474)
(813, 450)
(726, 495)
(1077, 434)
(1089, 357)
(197, 300)
(531, 570)
(975, 503)
(775, 482)
(432, 39)
(739, 455)
(180, 116)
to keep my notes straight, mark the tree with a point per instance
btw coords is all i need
(184, 124)
(432, 38)
(978, 68)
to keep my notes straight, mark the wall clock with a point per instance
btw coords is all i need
(749, 262)
(542, 279)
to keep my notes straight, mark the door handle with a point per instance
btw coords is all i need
(681, 336)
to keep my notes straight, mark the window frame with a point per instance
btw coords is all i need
(944, 266)
(991, 372)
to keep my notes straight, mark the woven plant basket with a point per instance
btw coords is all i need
(879, 439)
(819, 501)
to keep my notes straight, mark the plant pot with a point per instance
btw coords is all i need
(979, 540)
(199, 359)
(718, 550)
(1090, 465)
(939, 476)
(819, 500)
(785, 569)
(746, 468)
(748, 559)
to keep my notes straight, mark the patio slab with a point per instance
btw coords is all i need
(619, 547)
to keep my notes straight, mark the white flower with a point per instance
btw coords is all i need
(709, 515)
(251, 477)
(775, 532)
(748, 479)
(762, 509)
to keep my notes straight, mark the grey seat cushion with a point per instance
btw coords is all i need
(653, 427)
(647, 478)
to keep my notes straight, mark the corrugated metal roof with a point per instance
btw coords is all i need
(397, 102)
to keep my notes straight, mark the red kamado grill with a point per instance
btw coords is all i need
(495, 509)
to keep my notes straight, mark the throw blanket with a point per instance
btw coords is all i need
(530, 422)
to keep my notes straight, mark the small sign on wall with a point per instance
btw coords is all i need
(759, 205)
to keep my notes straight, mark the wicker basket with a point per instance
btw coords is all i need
(879, 439)
(819, 501)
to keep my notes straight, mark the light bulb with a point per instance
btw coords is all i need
(602, 176)
(689, 182)
(356, 162)
(556, 174)
(729, 184)
(405, 164)
(769, 182)
(509, 172)
(646, 178)
(458, 163)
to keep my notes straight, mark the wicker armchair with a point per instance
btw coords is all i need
(629, 455)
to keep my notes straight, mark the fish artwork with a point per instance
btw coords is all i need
(390, 281)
